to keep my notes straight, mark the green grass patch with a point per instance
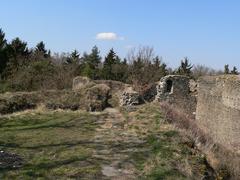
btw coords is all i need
(53, 145)
(63, 145)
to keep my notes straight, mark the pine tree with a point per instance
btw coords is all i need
(234, 70)
(18, 54)
(226, 69)
(3, 41)
(160, 68)
(94, 58)
(75, 54)
(110, 61)
(163, 70)
(185, 68)
(74, 58)
(40, 50)
(91, 63)
(18, 47)
(124, 61)
(3, 54)
(18, 51)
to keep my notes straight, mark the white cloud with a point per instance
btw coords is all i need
(108, 36)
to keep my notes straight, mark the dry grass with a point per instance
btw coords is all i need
(172, 151)
(226, 163)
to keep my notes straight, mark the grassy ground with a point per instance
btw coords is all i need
(112, 144)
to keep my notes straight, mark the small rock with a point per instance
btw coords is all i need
(130, 98)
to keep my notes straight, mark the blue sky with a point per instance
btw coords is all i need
(206, 31)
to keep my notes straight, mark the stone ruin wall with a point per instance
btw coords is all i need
(175, 90)
(215, 106)
(218, 109)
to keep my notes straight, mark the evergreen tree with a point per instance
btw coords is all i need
(18, 47)
(234, 70)
(157, 62)
(74, 58)
(94, 58)
(91, 63)
(75, 54)
(18, 54)
(123, 71)
(185, 68)
(48, 54)
(41, 47)
(110, 61)
(40, 50)
(120, 70)
(3, 54)
(226, 69)
(160, 68)
(3, 41)
(124, 61)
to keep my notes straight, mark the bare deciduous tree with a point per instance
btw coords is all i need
(144, 67)
(202, 70)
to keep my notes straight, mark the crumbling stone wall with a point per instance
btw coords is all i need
(175, 90)
(218, 109)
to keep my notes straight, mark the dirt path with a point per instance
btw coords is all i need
(117, 146)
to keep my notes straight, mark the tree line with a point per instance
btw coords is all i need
(24, 68)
